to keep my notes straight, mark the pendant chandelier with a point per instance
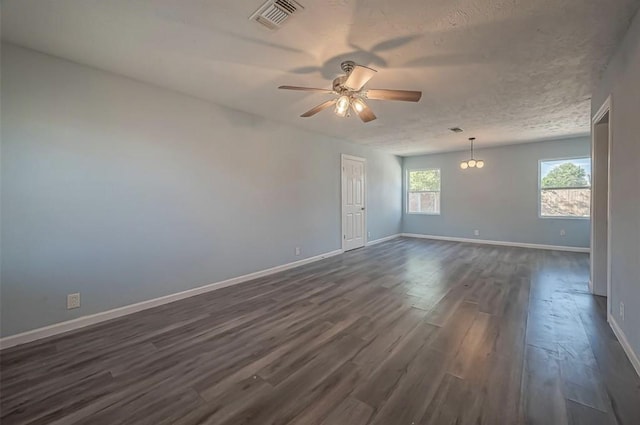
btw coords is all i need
(472, 163)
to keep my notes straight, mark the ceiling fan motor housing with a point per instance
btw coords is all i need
(338, 84)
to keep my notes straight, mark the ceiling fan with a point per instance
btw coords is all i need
(352, 94)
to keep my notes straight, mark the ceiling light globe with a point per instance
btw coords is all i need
(480, 164)
(342, 105)
(358, 105)
(464, 165)
(472, 163)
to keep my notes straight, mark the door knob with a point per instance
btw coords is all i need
(362, 208)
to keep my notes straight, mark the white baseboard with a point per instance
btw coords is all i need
(499, 243)
(388, 238)
(622, 338)
(81, 322)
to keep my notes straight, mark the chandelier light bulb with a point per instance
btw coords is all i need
(342, 106)
(472, 163)
(480, 164)
(464, 165)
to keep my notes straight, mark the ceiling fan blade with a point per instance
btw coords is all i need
(327, 91)
(403, 95)
(363, 111)
(319, 108)
(358, 77)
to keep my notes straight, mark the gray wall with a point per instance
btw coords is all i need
(126, 192)
(621, 80)
(500, 200)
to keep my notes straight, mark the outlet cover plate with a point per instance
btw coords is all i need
(73, 301)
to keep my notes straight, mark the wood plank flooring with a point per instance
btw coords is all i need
(405, 332)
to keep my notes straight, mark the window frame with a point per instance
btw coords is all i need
(562, 217)
(406, 192)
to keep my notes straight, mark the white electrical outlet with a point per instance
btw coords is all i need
(298, 250)
(622, 311)
(476, 232)
(368, 234)
(562, 232)
(73, 301)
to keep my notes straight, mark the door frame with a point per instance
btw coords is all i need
(605, 108)
(366, 208)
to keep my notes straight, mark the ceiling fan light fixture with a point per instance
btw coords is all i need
(472, 163)
(480, 164)
(464, 165)
(342, 106)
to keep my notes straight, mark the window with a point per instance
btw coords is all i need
(423, 195)
(565, 188)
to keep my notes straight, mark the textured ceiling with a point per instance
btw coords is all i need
(506, 71)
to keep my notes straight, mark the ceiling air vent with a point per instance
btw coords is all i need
(274, 13)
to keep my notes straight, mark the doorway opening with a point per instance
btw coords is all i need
(600, 282)
(354, 214)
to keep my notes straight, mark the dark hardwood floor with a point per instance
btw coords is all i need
(406, 332)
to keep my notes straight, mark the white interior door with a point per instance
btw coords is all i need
(600, 207)
(600, 282)
(353, 202)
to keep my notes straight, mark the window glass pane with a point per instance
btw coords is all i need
(424, 191)
(424, 180)
(565, 202)
(565, 188)
(424, 202)
(565, 173)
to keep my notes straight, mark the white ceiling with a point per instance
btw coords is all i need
(506, 71)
